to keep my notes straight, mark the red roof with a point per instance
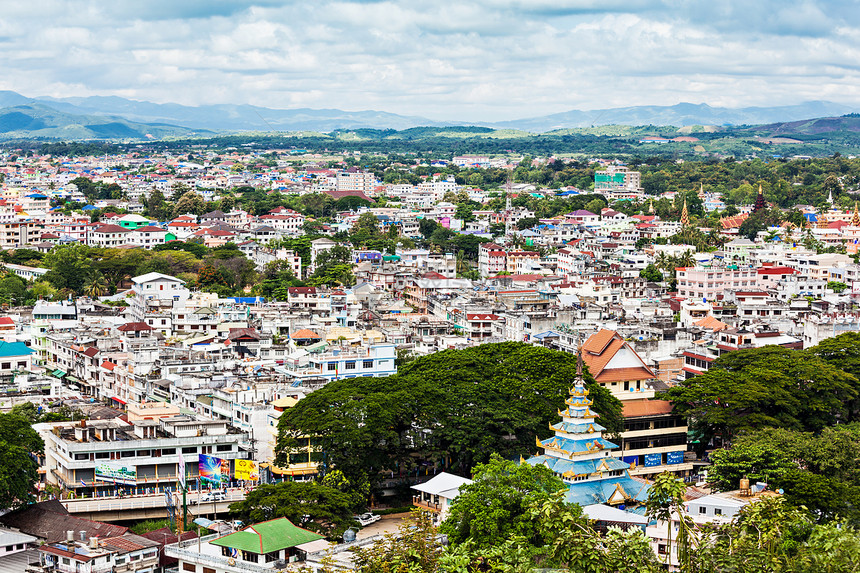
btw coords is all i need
(471, 317)
(134, 327)
(777, 271)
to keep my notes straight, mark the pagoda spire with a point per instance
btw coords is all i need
(651, 206)
(701, 191)
(685, 216)
(855, 219)
(759, 200)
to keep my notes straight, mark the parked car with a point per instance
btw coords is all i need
(216, 495)
(366, 519)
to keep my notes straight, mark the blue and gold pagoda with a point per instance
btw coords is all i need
(580, 455)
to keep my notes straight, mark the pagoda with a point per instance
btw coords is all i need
(685, 216)
(759, 201)
(580, 455)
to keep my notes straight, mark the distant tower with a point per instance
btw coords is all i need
(855, 219)
(701, 191)
(651, 206)
(508, 188)
(830, 197)
(759, 200)
(685, 216)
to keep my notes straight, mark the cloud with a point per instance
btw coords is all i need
(464, 60)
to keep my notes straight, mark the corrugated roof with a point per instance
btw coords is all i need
(267, 536)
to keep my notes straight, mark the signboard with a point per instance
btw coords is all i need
(675, 458)
(652, 460)
(180, 471)
(632, 460)
(212, 469)
(247, 470)
(116, 473)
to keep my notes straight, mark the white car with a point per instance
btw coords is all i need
(366, 519)
(216, 495)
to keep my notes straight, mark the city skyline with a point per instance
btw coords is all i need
(481, 60)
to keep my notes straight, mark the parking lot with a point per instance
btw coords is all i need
(387, 524)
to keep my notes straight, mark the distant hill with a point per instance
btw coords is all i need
(678, 115)
(229, 117)
(236, 118)
(37, 121)
(818, 126)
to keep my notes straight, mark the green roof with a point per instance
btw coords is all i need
(14, 349)
(267, 536)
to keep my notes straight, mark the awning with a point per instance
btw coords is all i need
(120, 400)
(58, 373)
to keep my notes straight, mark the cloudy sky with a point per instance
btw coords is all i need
(462, 60)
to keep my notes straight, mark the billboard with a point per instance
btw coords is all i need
(632, 460)
(214, 470)
(247, 470)
(116, 473)
(675, 458)
(180, 471)
(652, 460)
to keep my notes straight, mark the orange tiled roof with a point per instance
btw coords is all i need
(645, 407)
(599, 350)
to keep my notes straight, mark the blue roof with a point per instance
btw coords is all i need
(248, 299)
(572, 446)
(14, 349)
(89, 208)
(37, 196)
(599, 491)
(562, 466)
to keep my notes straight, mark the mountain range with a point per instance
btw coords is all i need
(111, 117)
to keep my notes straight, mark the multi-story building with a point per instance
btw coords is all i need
(99, 456)
(618, 183)
(711, 283)
(654, 440)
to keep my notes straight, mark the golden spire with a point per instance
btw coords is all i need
(701, 190)
(651, 206)
(855, 220)
(685, 216)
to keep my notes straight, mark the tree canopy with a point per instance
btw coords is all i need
(19, 470)
(768, 386)
(452, 408)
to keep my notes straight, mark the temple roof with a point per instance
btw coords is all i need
(588, 445)
(573, 468)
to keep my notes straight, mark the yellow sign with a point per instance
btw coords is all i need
(247, 470)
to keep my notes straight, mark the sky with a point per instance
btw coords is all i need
(478, 60)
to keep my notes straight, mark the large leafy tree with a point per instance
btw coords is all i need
(70, 266)
(452, 408)
(768, 386)
(326, 510)
(19, 470)
(817, 471)
(496, 504)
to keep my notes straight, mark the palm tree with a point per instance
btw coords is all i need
(96, 286)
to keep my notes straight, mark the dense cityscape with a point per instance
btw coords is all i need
(260, 360)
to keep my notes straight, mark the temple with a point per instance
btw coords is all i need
(580, 455)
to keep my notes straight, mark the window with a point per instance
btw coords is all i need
(331, 367)
(189, 450)
(127, 454)
(225, 448)
(718, 511)
(82, 456)
(168, 451)
(367, 364)
(208, 570)
(6, 365)
(349, 366)
(703, 510)
(190, 566)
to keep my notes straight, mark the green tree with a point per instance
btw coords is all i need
(768, 386)
(527, 223)
(412, 549)
(651, 274)
(19, 470)
(325, 510)
(190, 202)
(69, 267)
(495, 506)
(452, 409)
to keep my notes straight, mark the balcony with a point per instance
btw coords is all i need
(418, 501)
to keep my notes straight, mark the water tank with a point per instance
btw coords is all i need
(745, 486)
(348, 536)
